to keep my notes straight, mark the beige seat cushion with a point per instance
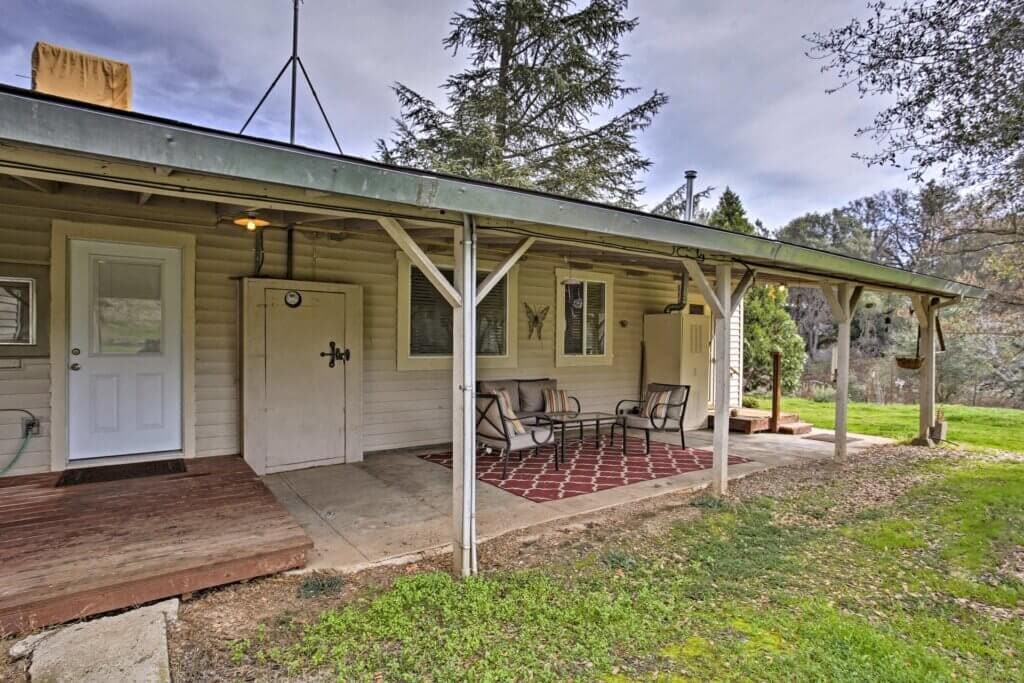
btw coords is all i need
(524, 441)
(638, 422)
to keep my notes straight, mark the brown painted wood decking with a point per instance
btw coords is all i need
(75, 551)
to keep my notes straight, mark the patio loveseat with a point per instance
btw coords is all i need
(530, 398)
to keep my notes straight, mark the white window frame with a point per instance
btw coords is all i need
(408, 362)
(563, 359)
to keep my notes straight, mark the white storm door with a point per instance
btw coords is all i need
(124, 340)
(305, 389)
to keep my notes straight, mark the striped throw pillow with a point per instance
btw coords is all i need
(510, 415)
(653, 407)
(556, 401)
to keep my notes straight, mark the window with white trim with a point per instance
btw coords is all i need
(584, 303)
(426, 319)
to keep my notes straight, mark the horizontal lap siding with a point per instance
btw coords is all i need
(400, 408)
(736, 358)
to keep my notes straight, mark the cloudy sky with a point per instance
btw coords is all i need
(748, 109)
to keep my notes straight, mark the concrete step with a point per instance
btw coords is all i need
(794, 428)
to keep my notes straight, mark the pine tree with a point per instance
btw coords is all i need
(730, 214)
(767, 326)
(520, 113)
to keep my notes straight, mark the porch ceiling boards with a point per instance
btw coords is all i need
(76, 551)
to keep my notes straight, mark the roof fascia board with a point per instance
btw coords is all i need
(81, 130)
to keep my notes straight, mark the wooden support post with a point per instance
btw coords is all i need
(928, 314)
(723, 323)
(464, 403)
(773, 425)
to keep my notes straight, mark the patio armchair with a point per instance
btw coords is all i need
(497, 426)
(661, 410)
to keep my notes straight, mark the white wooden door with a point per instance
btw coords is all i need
(305, 389)
(696, 366)
(124, 340)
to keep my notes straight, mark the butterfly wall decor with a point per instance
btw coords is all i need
(535, 316)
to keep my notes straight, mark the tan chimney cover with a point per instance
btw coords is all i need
(79, 76)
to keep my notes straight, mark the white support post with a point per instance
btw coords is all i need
(494, 277)
(420, 259)
(723, 334)
(712, 300)
(842, 373)
(464, 403)
(741, 289)
(928, 315)
(843, 300)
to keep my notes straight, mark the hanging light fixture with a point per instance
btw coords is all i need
(251, 221)
(570, 280)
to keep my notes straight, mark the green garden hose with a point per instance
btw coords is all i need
(21, 449)
(24, 441)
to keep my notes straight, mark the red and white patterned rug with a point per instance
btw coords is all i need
(587, 468)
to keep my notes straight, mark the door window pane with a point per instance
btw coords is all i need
(431, 323)
(127, 307)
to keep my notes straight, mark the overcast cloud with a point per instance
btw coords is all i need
(747, 108)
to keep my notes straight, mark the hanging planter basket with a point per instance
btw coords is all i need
(912, 362)
(909, 362)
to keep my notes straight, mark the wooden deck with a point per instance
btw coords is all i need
(75, 551)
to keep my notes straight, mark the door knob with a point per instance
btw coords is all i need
(76, 366)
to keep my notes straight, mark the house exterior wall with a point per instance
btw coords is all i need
(400, 408)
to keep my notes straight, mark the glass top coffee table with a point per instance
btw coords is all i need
(563, 420)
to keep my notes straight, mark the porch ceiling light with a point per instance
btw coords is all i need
(251, 221)
(570, 280)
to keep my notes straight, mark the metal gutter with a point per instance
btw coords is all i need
(30, 118)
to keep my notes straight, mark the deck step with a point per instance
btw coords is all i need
(794, 428)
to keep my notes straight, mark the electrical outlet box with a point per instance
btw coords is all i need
(30, 426)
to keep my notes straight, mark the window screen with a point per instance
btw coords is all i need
(431, 322)
(585, 313)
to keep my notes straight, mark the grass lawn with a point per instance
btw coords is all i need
(907, 571)
(981, 428)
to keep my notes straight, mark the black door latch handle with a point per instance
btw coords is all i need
(336, 354)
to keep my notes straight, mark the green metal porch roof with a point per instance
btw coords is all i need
(31, 118)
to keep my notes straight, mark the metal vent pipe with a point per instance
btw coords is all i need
(690, 177)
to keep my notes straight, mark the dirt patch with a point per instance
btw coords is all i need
(1013, 566)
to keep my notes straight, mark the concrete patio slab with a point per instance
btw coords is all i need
(397, 506)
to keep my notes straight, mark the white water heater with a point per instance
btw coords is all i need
(677, 350)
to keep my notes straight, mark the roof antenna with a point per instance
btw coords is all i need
(295, 62)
